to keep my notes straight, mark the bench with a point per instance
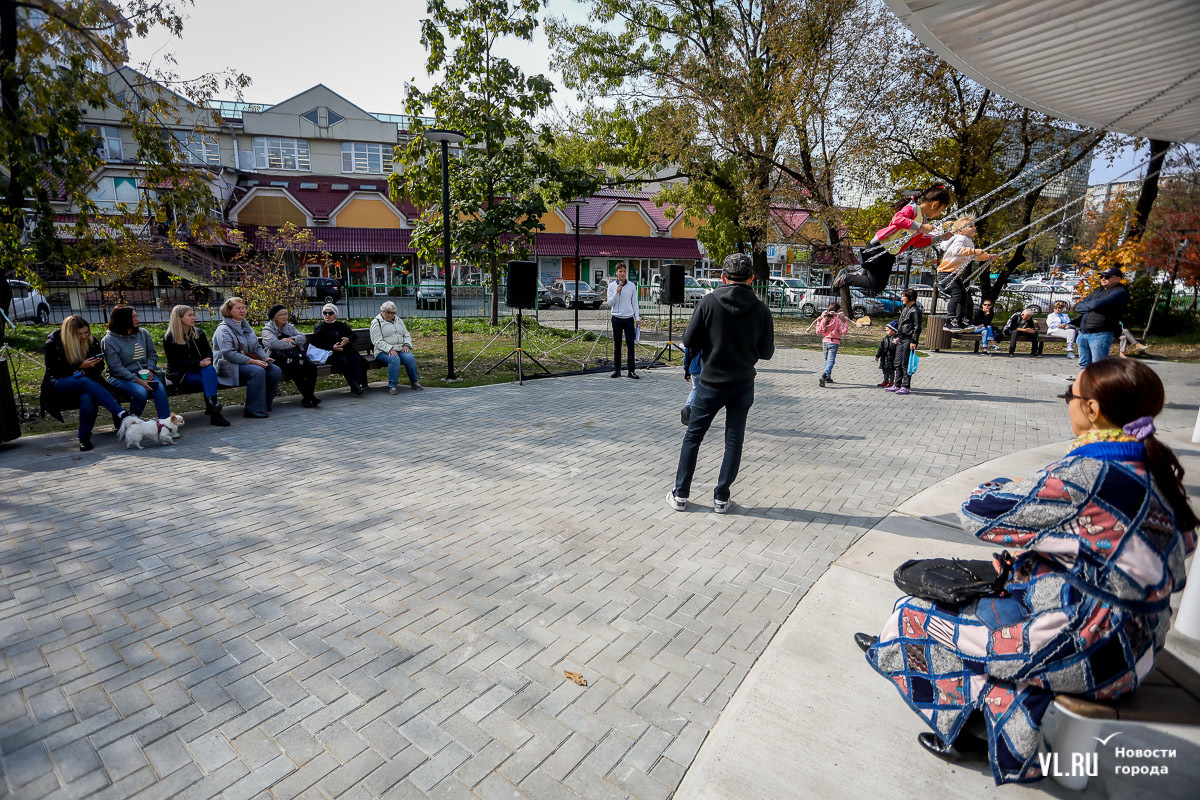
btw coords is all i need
(938, 338)
(1170, 694)
(323, 370)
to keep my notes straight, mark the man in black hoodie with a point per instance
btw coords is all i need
(733, 329)
(1102, 311)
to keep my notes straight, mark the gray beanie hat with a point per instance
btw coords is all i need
(738, 266)
(329, 307)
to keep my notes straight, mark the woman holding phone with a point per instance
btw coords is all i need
(132, 361)
(74, 378)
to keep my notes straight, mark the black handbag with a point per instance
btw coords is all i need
(953, 581)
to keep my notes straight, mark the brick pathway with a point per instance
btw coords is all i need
(378, 599)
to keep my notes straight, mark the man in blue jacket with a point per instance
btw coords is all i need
(733, 329)
(1101, 310)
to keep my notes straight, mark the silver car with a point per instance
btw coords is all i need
(27, 304)
(431, 293)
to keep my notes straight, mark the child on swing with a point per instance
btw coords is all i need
(908, 230)
(958, 254)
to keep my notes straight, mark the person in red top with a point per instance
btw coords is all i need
(908, 230)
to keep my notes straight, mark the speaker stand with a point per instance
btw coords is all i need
(520, 354)
(670, 347)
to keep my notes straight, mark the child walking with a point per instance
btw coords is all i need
(832, 325)
(886, 355)
(693, 362)
(958, 254)
(908, 333)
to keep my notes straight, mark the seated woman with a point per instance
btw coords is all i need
(1105, 531)
(1058, 325)
(74, 377)
(241, 361)
(338, 338)
(189, 361)
(132, 362)
(393, 346)
(287, 346)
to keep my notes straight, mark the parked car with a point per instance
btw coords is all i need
(323, 290)
(544, 298)
(692, 290)
(1043, 296)
(818, 299)
(790, 289)
(431, 293)
(709, 285)
(568, 294)
(27, 303)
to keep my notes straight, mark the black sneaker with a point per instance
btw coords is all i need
(822, 381)
(635, 376)
(616, 374)
(828, 379)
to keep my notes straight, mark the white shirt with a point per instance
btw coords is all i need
(625, 304)
(1055, 321)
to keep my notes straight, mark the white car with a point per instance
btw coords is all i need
(792, 289)
(709, 285)
(28, 304)
(692, 290)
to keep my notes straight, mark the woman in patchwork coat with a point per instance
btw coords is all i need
(1104, 532)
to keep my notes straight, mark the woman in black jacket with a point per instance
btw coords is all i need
(75, 378)
(190, 361)
(338, 338)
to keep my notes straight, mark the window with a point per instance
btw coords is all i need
(109, 145)
(110, 192)
(313, 116)
(334, 117)
(366, 157)
(201, 148)
(129, 100)
(271, 152)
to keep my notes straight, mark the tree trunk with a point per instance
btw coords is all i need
(1149, 192)
(494, 269)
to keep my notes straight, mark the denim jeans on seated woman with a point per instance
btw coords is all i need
(260, 385)
(393, 365)
(205, 379)
(138, 396)
(90, 396)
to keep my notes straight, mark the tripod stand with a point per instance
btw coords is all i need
(670, 346)
(520, 353)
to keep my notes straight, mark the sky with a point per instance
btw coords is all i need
(365, 50)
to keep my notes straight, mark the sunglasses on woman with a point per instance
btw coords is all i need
(327, 313)
(1070, 395)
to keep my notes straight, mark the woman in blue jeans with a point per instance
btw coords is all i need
(241, 360)
(74, 377)
(393, 346)
(190, 361)
(132, 362)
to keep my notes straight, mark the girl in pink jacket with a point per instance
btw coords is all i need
(832, 325)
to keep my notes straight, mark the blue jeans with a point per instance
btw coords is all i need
(205, 379)
(90, 396)
(691, 401)
(830, 350)
(393, 365)
(138, 396)
(986, 335)
(260, 385)
(736, 399)
(1093, 346)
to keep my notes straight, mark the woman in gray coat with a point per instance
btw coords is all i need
(287, 346)
(241, 361)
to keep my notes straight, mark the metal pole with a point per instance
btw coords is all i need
(578, 269)
(450, 376)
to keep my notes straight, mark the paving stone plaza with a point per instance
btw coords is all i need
(380, 598)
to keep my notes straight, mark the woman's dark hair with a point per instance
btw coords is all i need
(909, 294)
(275, 309)
(935, 193)
(834, 305)
(120, 320)
(1126, 390)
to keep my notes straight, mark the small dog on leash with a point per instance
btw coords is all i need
(134, 430)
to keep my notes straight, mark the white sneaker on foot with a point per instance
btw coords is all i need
(676, 503)
(721, 506)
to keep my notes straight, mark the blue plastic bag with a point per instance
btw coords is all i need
(913, 361)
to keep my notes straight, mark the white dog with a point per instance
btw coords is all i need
(133, 430)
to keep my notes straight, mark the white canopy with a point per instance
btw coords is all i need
(1092, 62)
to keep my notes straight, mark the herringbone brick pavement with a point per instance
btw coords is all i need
(379, 598)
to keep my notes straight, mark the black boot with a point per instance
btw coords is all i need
(965, 748)
(213, 409)
(865, 640)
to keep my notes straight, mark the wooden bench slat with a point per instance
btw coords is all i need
(1169, 694)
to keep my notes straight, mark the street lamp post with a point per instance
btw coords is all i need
(577, 204)
(447, 138)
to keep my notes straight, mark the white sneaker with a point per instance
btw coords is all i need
(721, 506)
(676, 503)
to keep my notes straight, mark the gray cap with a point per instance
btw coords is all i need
(738, 266)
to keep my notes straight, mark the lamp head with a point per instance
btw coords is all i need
(443, 135)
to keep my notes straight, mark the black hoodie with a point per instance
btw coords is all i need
(734, 330)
